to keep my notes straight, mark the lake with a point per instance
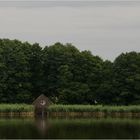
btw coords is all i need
(69, 128)
(105, 27)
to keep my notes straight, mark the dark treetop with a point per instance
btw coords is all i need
(66, 75)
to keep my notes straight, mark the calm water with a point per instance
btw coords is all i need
(106, 27)
(69, 128)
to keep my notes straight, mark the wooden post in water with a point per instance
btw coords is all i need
(43, 113)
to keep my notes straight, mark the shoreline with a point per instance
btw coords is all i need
(95, 114)
(57, 110)
(74, 114)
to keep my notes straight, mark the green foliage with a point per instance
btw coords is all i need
(16, 108)
(94, 108)
(71, 108)
(126, 70)
(66, 75)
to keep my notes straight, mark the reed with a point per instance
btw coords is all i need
(5, 108)
(71, 108)
(94, 108)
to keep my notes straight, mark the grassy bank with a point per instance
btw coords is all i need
(93, 108)
(94, 111)
(72, 110)
(6, 108)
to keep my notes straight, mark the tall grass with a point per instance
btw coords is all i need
(71, 108)
(93, 108)
(15, 108)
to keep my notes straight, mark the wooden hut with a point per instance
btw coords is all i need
(40, 104)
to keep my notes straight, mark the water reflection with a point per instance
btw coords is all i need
(42, 125)
(69, 128)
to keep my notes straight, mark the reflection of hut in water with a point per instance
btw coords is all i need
(41, 104)
(43, 126)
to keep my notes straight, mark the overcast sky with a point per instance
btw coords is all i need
(107, 29)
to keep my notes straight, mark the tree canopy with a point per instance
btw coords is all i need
(66, 75)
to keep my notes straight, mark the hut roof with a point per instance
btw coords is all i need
(42, 97)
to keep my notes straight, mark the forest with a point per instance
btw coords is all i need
(66, 75)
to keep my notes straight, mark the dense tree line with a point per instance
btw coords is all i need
(66, 75)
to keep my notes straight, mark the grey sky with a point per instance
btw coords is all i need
(105, 28)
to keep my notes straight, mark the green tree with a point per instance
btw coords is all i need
(105, 91)
(53, 58)
(16, 87)
(126, 70)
